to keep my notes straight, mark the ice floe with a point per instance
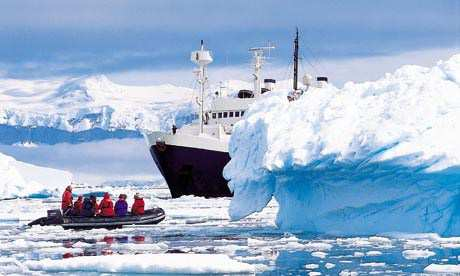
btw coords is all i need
(145, 263)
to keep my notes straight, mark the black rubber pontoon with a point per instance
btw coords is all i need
(151, 216)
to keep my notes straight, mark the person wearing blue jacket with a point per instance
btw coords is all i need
(121, 206)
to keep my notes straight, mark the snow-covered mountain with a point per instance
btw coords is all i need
(20, 179)
(84, 104)
(369, 158)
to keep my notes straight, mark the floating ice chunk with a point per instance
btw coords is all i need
(156, 247)
(373, 253)
(314, 273)
(11, 266)
(145, 263)
(81, 244)
(358, 254)
(329, 265)
(348, 273)
(417, 254)
(319, 254)
(372, 264)
(311, 266)
(442, 268)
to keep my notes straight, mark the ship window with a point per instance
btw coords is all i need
(237, 114)
(230, 114)
(214, 115)
(225, 114)
(220, 115)
(242, 113)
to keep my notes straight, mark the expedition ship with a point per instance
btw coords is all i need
(192, 158)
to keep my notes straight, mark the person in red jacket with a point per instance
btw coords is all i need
(66, 204)
(106, 206)
(77, 206)
(138, 205)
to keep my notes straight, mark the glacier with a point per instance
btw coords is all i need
(20, 179)
(88, 108)
(374, 157)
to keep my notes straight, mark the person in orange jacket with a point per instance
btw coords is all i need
(67, 200)
(138, 205)
(77, 206)
(106, 207)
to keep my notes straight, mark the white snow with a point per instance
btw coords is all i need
(83, 103)
(145, 263)
(417, 254)
(19, 179)
(369, 158)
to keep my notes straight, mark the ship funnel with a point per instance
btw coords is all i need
(269, 84)
(321, 81)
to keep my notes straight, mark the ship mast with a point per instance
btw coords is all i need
(296, 58)
(258, 62)
(201, 58)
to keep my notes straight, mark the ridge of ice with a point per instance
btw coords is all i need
(368, 158)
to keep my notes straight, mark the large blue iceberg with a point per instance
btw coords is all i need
(368, 158)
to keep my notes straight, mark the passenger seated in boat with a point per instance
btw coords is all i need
(77, 206)
(88, 208)
(66, 204)
(93, 200)
(121, 206)
(106, 207)
(138, 205)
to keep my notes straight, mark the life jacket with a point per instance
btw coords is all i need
(121, 208)
(66, 200)
(138, 206)
(106, 207)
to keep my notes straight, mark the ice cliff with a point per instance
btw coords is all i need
(19, 179)
(368, 158)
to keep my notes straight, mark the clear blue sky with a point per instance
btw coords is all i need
(61, 38)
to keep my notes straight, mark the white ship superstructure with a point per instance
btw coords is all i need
(192, 158)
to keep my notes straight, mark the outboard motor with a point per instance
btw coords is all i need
(54, 217)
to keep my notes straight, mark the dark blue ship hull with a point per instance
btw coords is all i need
(192, 171)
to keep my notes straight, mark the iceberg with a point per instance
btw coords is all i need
(372, 157)
(19, 179)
